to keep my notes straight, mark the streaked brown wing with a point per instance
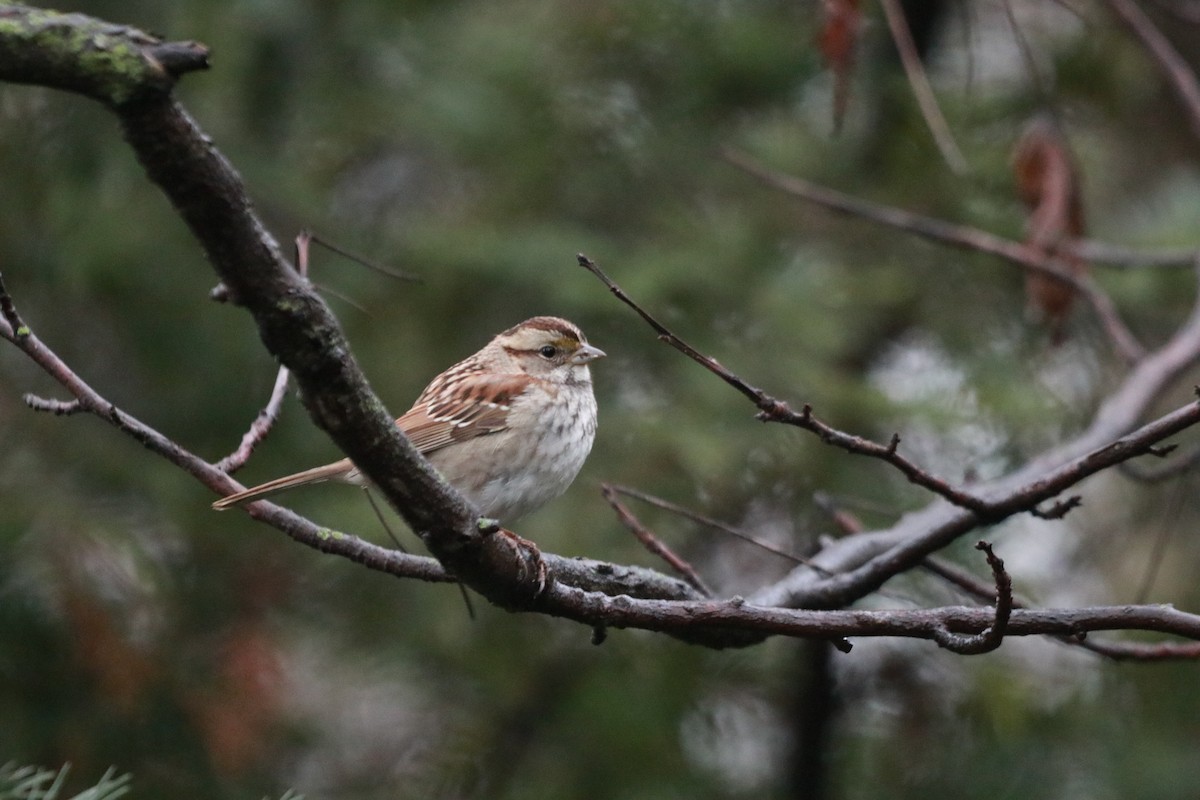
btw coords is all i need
(454, 411)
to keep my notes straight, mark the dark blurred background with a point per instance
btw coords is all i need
(481, 145)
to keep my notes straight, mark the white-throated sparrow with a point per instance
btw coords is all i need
(508, 427)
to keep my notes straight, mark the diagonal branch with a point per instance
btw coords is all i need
(652, 543)
(707, 522)
(1173, 65)
(961, 236)
(260, 427)
(293, 321)
(772, 409)
(919, 81)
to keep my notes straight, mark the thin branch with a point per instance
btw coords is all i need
(265, 421)
(961, 236)
(1173, 65)
(919, 81)
(1157, 473)
(931, 624)
(708, 522)
(260, 427)
(60, 408)
(86, 399)
(1122, 257)
(11, 325)
(775, 410)
(1007, 498)
(653, 543)
(366, 262)
(1117, 651)
(990, 638)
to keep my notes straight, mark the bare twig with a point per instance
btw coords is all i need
(774, 410)
(845, 521)
(366, 262)
(1118, 651)
(60, 408)
(962, 236)
(1173, 65)
(1006, 498)
(652, 542)
(990, 638)
(708, 522)
(260, 427)
(919, 82)
(1121, 257)
(1156, 473)
(11, 326)
(270, 413)
(1003, 504)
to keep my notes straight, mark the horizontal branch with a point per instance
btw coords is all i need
(114, 64)
(737, 615)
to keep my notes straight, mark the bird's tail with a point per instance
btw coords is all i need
(338, 470)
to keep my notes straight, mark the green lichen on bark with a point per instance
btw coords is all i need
(78, 53)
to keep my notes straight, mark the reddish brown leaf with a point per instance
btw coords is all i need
(837, 41)
(124, 674)
(1048, 182)
(237, 713)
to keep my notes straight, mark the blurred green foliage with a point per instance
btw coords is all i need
(481, 145)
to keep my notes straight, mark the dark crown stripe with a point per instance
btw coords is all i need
(550, 324)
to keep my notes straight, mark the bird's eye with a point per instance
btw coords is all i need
(548, 351)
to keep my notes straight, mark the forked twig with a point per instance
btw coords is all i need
(652, 542)
(709, 522)
(1181, 464)
(260, 427)
(270, 413)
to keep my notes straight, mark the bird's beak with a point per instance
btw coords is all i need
(586, 353)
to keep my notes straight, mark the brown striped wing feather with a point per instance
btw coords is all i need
(457, 410)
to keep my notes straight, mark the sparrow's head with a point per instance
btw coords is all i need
(549, 347)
